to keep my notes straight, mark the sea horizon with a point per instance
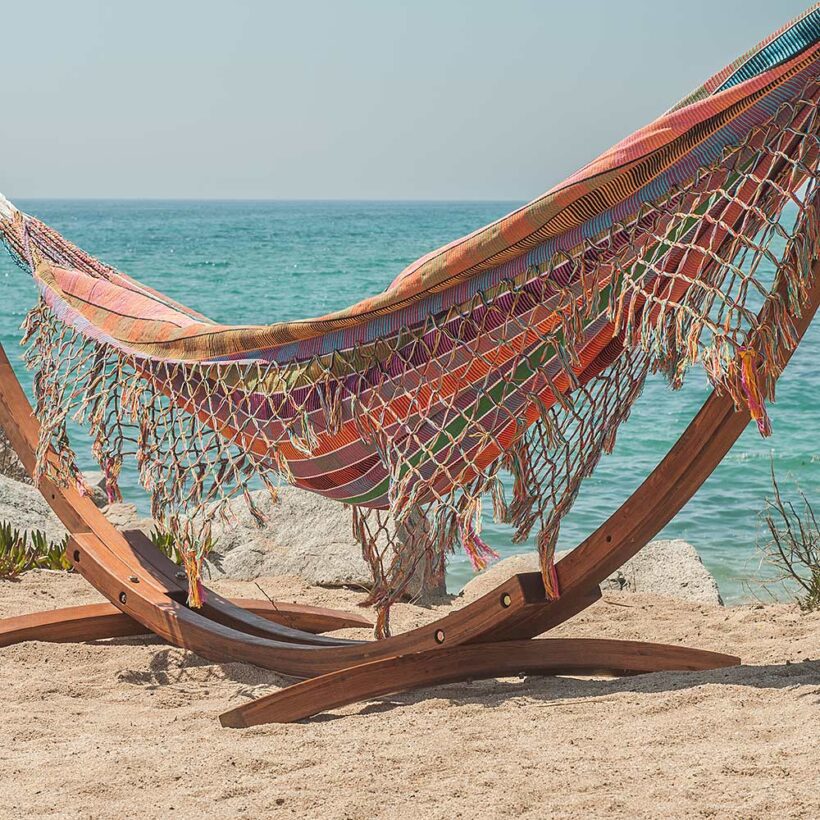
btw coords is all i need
(295, 199)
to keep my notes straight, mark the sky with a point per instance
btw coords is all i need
(353, 99)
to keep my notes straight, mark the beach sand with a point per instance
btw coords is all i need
(129, 727)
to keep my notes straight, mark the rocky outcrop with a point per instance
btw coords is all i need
(96, 487)
(311, 537)
(22, 506)
(304, 535)
(124, 516)
(672, 568)
(10, 465)
(668, 567)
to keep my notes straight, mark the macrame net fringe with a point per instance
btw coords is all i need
(708, 273)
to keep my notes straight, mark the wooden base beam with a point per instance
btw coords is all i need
(548, 656)
(94, 622)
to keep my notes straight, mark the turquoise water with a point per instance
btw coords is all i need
(299, 259)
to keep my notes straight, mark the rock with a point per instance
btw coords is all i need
(671, 568)
(12, 467)
(305, 535)
(10, 464)
(96, 485)
(22, 506)
(497, 573)
(124, 516)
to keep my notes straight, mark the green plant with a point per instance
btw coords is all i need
(50, 554)
(14, 556)
(166, 544)
(793, 547)
(22, 551)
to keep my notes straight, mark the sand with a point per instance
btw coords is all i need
(129, 727)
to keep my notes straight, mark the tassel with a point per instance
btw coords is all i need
(478, 551)
(258, 516)
(196, 589)
(382, 627)
(330, 400)
(750, 385)
(546, 551)
(111, 468)
(273, 490)
(501, 512)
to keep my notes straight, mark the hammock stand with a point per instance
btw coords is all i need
(491, 637)
(494, 635)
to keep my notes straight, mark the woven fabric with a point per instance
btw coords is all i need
(518, 348)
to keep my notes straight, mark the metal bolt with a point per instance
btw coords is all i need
(506, 600)
(76, 556)
(439, 636)
(133, 579)
(123, 597)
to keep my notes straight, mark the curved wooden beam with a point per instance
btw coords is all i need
(131, 573)
(94, 622)
(548, 656)
(667, 489)
(202, 631)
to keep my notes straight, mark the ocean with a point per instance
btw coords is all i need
(303, 258)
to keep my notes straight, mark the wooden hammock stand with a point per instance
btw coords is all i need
(491, 637)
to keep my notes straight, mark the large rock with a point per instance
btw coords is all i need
(95, 481)
(10, 464)
(124, 516)
(671, 568)
(22, 506)
(304, 535)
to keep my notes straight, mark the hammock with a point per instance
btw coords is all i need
(519, 348)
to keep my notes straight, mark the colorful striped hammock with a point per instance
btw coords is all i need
(519, 348)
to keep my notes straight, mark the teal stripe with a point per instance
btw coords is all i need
(798, 37)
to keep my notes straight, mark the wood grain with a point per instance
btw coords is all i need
(546, 656)
(93, 622)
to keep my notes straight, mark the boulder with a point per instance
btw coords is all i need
(672, 568)
(22, 506)
(305, 535)
(12, 467)
(10, 464)
(124, 516)
(667, 567)
(96, 486)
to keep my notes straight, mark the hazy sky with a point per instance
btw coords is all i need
(320, 99)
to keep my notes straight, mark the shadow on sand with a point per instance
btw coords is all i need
(171, 666)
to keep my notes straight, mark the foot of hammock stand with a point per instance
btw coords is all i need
(548, 656)
(95, 622)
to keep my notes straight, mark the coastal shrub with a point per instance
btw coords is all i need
(22, 551)
(166, 544)
(793, 546)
